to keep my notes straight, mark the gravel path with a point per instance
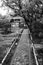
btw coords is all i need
(21, 56)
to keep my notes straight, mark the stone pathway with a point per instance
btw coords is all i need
(21, 56)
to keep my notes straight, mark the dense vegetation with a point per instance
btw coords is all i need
(34, 19)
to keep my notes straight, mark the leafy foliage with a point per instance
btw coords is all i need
(36, 19)
(33, 16)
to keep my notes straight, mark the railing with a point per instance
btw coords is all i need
(13, 43)
(7, 53)
(35, 56)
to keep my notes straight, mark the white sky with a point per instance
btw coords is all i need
(4, 10)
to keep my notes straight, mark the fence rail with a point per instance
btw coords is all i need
(35, 54)
(13, 43)
(34, 51)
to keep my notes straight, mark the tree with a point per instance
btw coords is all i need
(36, 20)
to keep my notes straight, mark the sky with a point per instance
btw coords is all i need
(4, 10)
